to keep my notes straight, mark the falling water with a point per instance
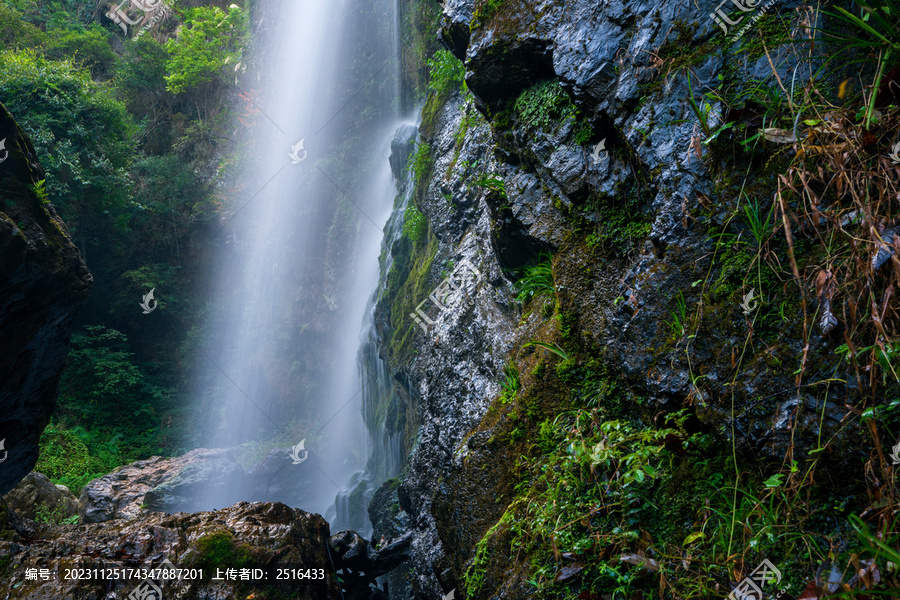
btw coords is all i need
(289, 296)
(379, 401)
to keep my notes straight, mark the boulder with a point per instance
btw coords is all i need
(260, 536)
(43, 283)
(183, 483)
(36, 498)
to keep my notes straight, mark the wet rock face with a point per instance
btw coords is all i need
(43, 283)
(256, 535)
(160, 485)
(37, 496)
(603, 56)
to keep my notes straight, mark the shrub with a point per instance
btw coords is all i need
(420, 161)
(89, 48)
(414, 224)
(445, 72)
(209, 40)
(82, 136)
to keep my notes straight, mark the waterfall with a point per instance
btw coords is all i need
(379, 401)
(280, 353)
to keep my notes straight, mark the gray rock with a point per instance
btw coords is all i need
(36, 496)
(160, 485)
(43, 283)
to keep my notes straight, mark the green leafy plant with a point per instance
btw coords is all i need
(446, 72)
(679, 315)
(761, 227)
(493, 183)
(537, 280)
(878, 25)
(210, 39)
(414, 224)
(555, 349)
(707, 117)
(420, 161)
(510, 383)
(545, 104)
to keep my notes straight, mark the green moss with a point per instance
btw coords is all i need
(473, 578)
(220, 548)
(485, 10)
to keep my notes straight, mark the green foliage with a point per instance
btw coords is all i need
(66, 15)
(761, 227)
(61, 454)
(414, 224)
(620, 222)
(473, 578)
(586, 495)
(510, 383)
(877, 38)
(547, 103)
(89, 48)
(537, 280)
(16, 33)
(679, 323)
(420, 162)
(140, 75)
(492, 183)
(484, 12)
(82, 136)
(102, 370)
(209, 40)
(554, 348)
(446, 73)
(57, 516)
(75, 456)
(543, 104)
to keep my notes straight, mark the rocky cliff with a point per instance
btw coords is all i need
(563, 422)
(43, 282)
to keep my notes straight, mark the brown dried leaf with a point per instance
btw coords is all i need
(640, 561)
(779, 136)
